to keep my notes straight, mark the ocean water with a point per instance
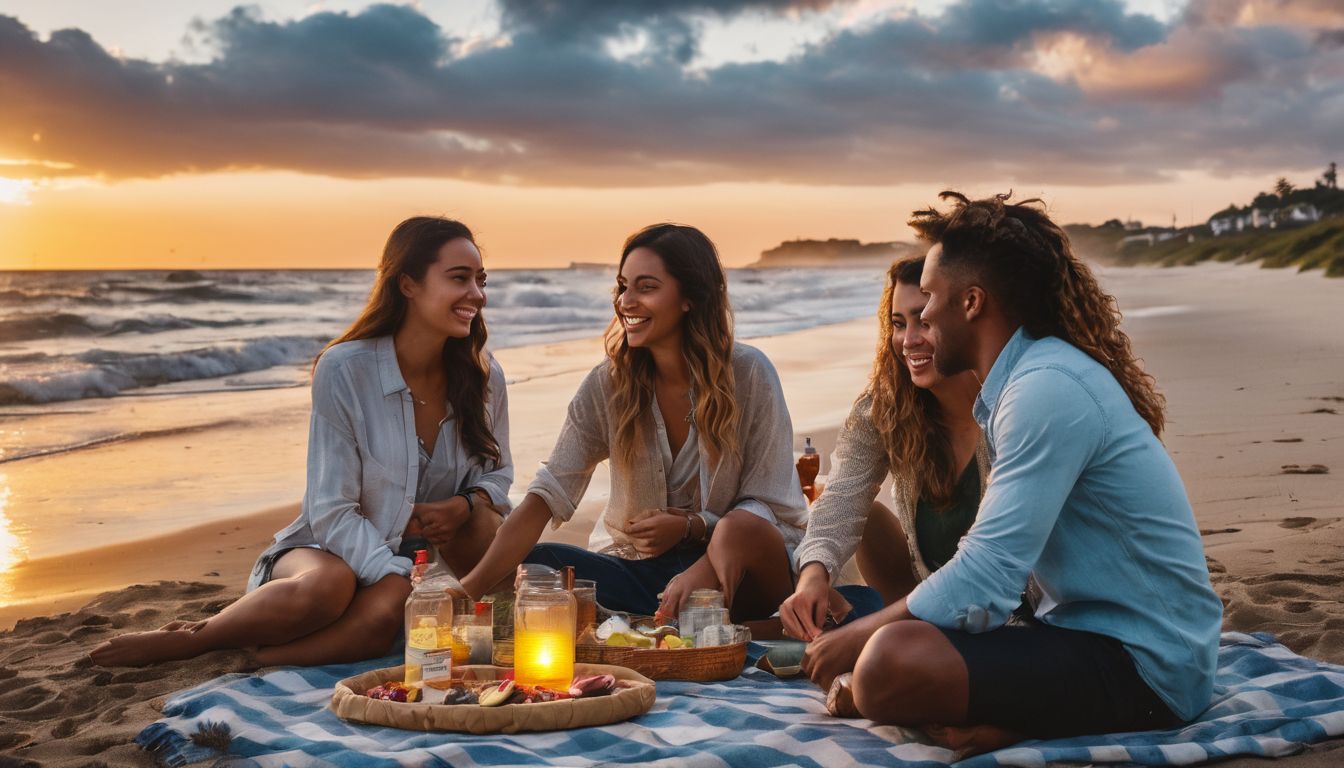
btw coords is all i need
(128, 404)
(68, 336)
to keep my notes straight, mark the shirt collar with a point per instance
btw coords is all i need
(388, 370)
(997, 379)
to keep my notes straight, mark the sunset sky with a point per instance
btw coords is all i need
(287, 133)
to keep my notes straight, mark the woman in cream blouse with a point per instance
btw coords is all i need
(703, 488)
(408, 437)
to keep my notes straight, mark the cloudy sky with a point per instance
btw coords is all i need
(290, 133)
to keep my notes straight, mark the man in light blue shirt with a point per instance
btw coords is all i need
(1083, 502)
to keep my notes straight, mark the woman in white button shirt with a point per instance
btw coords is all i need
(408, 438)
(703, 488)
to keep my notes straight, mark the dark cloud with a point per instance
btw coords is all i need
(1051, 91)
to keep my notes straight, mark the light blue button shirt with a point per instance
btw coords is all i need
(1082, 496)
(364, 471)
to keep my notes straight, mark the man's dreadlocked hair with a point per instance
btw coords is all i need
(1024, 259)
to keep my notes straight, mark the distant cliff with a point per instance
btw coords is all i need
(833, 252)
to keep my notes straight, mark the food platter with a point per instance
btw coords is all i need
(633, 696)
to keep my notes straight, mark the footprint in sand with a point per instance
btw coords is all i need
(1211, 531)
(1309, 469)
(31, 702)
(1296, 522)
(1287, 439)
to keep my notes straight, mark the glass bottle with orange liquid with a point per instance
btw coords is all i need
(809, 464)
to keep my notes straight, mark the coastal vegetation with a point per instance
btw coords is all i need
(1286, 227)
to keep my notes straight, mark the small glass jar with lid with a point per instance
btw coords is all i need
(703, 608)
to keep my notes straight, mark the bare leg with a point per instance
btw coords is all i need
(752, 565)
(470, 541)
(909, 674)
(884, 555)
(365, 630)
(309, 590)
(970, 740)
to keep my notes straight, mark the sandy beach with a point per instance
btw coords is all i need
(1251, 362)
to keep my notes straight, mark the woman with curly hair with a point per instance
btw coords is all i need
(700, 445)
(1082, 499)
(916, 425)
(408, 441)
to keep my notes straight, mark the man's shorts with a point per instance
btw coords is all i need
(1048, 682)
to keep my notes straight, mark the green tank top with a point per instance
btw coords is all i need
(938, 531)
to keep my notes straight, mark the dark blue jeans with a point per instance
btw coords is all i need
(864, 600)
(632, 586)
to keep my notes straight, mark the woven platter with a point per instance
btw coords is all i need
(349, 703)
(720, 662)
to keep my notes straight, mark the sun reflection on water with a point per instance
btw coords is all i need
(12, 551)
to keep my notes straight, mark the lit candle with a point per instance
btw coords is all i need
(543, 639)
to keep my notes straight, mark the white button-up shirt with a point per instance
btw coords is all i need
(364, 461)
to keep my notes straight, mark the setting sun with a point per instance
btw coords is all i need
(15, 191)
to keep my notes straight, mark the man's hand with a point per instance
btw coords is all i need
(657, 533)
(836, 651)
(439, 520)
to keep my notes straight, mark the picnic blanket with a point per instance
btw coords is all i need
(1268, 702)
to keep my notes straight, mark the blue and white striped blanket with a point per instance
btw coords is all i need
(1268, 702)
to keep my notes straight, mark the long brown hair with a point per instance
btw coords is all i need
(707, 345)
(908, 417)
(1026, 262)
(410, 250)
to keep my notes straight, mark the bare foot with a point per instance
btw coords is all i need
(840, 698)
(969, 740)
(140, 648)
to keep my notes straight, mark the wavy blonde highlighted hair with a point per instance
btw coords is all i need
(908, 417)
(1021, 257)
(707, 346)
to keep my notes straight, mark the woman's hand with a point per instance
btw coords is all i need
(699, 576)
(657, 533)
(439, 520)
(804, 612)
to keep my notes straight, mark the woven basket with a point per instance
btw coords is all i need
(720, 662)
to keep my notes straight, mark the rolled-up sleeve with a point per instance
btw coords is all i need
(582, 445)
(499, 478)
(1045, 429)
(331, 500)
(841, 512)
(769, 484)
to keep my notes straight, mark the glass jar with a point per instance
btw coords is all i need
(543, 636)
(703, 608)
(429, 630)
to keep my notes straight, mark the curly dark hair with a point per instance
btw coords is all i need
(1021, 257)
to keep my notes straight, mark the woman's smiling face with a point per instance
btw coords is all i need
(648, 301)
(452, 292)
(910, 340)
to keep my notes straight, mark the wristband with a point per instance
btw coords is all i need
(687, 535)
(471, 503)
